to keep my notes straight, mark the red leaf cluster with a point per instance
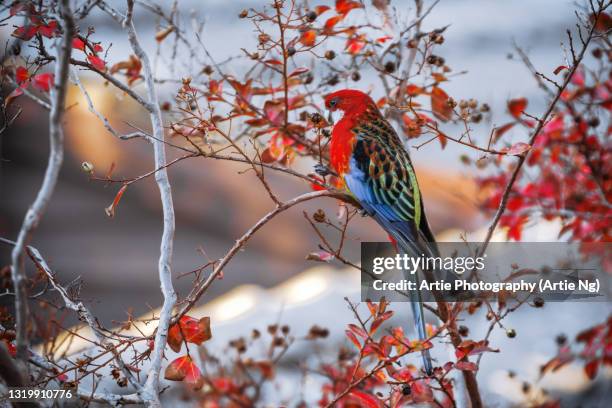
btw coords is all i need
(189, 330)
(42, 82)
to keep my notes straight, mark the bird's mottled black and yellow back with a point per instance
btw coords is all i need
(381, 176)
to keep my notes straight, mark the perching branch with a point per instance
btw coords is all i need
(199, 290)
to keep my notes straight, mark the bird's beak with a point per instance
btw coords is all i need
(330, 117)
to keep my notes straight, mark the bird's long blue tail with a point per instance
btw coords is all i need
(416, 304)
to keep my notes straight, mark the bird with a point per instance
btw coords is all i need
(366, 153)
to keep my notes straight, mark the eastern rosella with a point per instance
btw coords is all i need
(366, 152)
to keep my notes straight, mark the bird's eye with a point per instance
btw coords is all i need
(333, 102)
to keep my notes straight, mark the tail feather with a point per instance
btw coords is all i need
(419, 321)
(416, 304)
(414, 242)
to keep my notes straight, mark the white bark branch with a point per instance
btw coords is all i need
(150, 393)
(56, 155)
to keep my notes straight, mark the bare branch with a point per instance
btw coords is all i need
(56, 154)
(151, 388)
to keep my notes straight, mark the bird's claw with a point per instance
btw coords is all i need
(364, 213)
(322, 170)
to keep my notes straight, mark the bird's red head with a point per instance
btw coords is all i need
(349, 101)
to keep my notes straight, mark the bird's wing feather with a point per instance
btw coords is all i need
(382, 179)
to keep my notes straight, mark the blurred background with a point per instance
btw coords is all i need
(117, 258)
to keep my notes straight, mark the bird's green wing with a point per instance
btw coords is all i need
(382, 179)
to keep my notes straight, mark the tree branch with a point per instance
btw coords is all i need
(56, 154)
(151, 388)
(241, 242)
(541, 122)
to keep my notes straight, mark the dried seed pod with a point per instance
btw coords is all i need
(319, 215)
(389, 67)
(311, 16)
(208, 70)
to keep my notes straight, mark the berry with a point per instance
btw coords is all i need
(330, 55)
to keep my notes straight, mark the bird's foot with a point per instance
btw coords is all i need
(364, 213)
(322, 170)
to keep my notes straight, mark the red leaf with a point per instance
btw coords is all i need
(375, 325)
(274, 111)
(345, 6)
(578, 78)
(466, 366)
(379, 320)
(25, 33)
(320, 256)
(413, 90)
(12, 349)
(189, 329)
(223, 385)
(587, 336)
(365, 400)
(299, 71)
(21, 75)
(43, 82)
(499, 132)
(515, 225)
(184, 369)
(590, 369)
(353, 339)
(331, 22)
(421, 392)
(321, 9)
(78, 44)
(439, 104)
(97, 62)
(471, 347)
(383, 39)
(308, 38)
(273, 62)
(358, 330)
(132, 69)
(197, 331)
(48, 30)
(442, 139)
(518, 148)
(98, 48)
(603, 23)
(517, 106)
(110, 210)
(559, 69)
(355, 44)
